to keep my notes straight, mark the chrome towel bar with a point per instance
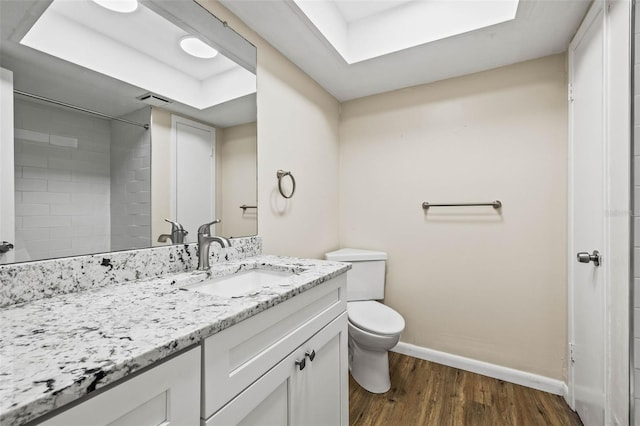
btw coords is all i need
(495, 204)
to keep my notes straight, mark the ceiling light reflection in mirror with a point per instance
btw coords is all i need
(121, 6)
(114, 41)
(198, 48)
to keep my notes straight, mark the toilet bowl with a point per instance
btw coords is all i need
(373, 327)
(373, 330)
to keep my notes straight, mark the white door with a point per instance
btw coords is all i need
(586, 218)
(7, 194)
(193, 175)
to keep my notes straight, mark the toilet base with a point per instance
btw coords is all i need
(369, 368)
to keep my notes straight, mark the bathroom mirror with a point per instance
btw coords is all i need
(122, 119)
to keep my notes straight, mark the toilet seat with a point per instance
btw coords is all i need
(375, 317)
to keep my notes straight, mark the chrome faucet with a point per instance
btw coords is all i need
(204, 240)
(177, 233)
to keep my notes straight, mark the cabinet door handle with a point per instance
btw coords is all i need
(301, 363)
(311, 355)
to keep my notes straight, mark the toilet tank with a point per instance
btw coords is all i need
(365, 280)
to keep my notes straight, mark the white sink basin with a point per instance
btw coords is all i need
(245, 283)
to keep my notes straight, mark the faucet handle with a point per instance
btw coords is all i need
(204, 229)
(175, 226)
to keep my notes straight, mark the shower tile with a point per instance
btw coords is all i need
(46, 221)
(31, 185)
(22, 159)
(46, 197)
(31, 209)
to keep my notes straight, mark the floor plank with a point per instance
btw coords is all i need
(425, 393)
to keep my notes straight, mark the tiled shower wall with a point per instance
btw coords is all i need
(131, 182)
(62, 182)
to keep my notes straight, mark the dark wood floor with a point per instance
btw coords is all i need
(425, 393)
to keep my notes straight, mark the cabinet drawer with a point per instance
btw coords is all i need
(237, 356)
(168, 394)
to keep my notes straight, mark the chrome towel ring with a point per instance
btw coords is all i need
(281, 174)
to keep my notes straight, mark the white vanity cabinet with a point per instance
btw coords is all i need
(284, 366)
(168, 394)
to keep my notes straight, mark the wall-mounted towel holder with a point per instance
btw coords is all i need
(280, 174)
(495, 204)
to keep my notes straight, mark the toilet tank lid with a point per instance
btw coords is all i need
(355, 255)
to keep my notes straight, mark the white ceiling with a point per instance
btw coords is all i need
(357, 9)
(540, 28)
(422, 22)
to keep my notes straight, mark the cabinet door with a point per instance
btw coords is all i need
(321, 391)
(288, 395)
(168, 394)
(264, 403)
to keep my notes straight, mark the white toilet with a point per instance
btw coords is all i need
(373, 327)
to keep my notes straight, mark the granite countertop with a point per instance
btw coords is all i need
(56, 350)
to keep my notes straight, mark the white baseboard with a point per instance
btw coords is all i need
(566, 396)
(511, 375)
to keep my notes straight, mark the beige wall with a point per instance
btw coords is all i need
(469, 281)
(298, 131)
(160, 176)
(236, 146)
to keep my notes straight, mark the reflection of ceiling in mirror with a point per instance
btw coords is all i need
(107, 42)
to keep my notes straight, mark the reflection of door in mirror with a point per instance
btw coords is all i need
(7, 227)
(192, 175)
(182, 174)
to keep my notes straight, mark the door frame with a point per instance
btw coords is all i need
(7, 173)
(617, 275)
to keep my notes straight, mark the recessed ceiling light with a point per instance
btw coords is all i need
(198, 48)
(122, 6)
